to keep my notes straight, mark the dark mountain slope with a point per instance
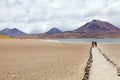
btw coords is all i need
(12, 32)
(53, 31)
(97, 26)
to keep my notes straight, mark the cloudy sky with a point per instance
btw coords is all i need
(38, 16)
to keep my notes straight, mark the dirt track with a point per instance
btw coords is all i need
(101, 69)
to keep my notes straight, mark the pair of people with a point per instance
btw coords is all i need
(94, 44)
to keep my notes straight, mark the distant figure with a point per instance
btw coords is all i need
(94, 44)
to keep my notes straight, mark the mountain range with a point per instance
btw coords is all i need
(92, 29)
(12, 32)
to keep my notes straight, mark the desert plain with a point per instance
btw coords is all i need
(34, 59)
(27, 59)
(112, 50)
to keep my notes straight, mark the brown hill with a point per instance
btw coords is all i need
(12, 32)
(53, 31)
(93, 29)
(97, 26)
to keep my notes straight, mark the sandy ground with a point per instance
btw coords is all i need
(42, 60)
(112, 50)
(101, 69)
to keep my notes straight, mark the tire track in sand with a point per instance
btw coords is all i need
(101, 69)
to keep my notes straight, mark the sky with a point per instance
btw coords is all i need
(38, 16)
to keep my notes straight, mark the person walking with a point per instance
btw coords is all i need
(94, 44)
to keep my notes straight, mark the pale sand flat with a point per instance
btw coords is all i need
(112, 50)
(102, 69)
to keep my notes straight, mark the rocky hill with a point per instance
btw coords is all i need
(12, 32)
(97, 26)
(53, 31)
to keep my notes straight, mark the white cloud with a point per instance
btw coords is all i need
(38, 16)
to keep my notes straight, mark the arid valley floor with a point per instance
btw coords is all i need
(28, 59)
(42, 60)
